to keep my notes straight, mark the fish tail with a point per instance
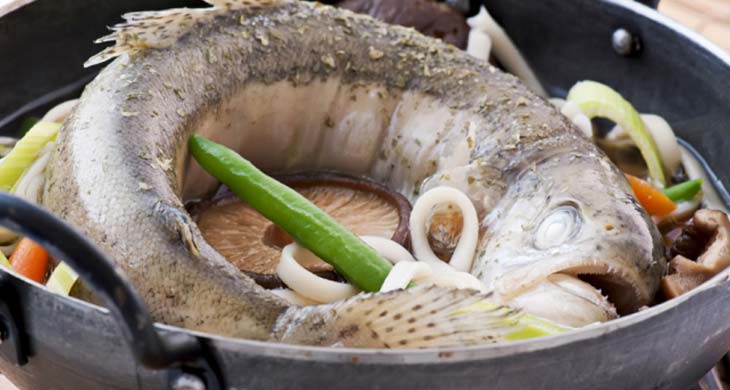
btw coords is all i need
(420, 317)
(160, 29)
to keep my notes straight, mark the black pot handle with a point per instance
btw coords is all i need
(181, 351)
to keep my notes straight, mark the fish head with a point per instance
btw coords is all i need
(569, 242)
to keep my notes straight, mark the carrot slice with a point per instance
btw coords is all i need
(654, 201)
(30, 260)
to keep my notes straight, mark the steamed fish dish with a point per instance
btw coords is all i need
(465, 208)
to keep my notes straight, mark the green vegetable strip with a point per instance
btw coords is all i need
(598, 100)
(4, 261)
(306, 223)
(684, 191)
(28, 124)
(25, 152)
(62, 279)
(528, 326)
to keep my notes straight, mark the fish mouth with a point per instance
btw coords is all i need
(566, 300)
(617, 290)
(622, 287)
(576, 294)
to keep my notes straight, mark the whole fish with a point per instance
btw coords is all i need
(299, 86)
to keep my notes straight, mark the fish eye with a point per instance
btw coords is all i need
(562, 224)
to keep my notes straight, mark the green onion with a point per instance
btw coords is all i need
(529, 326)
(25, 152)
(598, 100)
(28, 124)
(311, 227)
(684, 191)
(62, 279)
(4, 260)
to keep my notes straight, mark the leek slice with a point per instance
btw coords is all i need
(28, 124)
(4, 261)
(62, 279)
(598, 100)
(25, 152)
(527, 326)
(684, 191)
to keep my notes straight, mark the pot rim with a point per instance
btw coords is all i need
(454, 354)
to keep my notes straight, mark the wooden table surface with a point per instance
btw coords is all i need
(709, 17)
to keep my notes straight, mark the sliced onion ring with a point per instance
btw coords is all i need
(505, 50)
(459, 280)
(292, 297)
(306, 283)
(391, 250)
(463, 255)
(403, 273)
(61, 111)
(308, 286)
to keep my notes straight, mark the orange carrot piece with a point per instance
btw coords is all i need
(30, 260)
(651, 198)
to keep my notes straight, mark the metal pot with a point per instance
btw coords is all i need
(51, 342)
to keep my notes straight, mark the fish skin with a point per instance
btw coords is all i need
(141, 109)
(421, 317)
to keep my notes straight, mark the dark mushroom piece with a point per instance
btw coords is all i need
(427, 16)
(706, 239)
(254, 244)
(444, 230)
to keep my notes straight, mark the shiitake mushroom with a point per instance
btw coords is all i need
(444, 230)
(429, 17)
(253, 243)
(700, 250)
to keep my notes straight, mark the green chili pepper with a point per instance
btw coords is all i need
(311, 227)
(684, 191)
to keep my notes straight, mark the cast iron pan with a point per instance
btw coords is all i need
(54, 343)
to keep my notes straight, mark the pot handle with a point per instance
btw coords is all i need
(181, 351)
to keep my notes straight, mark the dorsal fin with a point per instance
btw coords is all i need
(160, 29)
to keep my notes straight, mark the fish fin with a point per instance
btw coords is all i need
(178, 224)
(420, 317)
(160, 29)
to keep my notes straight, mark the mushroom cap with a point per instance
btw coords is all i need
(427, 16)
(707, 238)
(716, 225)
(444, 230)
(254, 244)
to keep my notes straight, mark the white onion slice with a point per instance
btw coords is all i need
(60, 112)
(573, 112)
(403, 273)
(391, 250)
(292, 297)
(307, 283)
(457, 279)
(506, 51)
(557, 102)
(463, 255)
(309, 288)
(665, 141)
(31, 182)
(663, 136)
(479, 44)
